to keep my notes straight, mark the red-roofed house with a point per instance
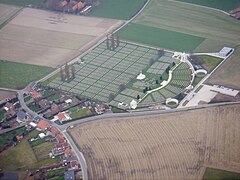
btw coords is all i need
(60, 138)
(63, 116)
(36, 95)
(234, 11)
(68, 152)
(43, 125)
(19, 138)
(54, 131)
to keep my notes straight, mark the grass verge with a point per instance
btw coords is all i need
(17, 75)
(217, 174)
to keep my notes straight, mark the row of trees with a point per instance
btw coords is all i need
(112, 41)
(67, 72)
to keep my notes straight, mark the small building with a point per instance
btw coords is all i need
(68, 101)
(42, 135)
(36, 95)
(68, 152)
(44, 104)
(54, 109)
(63, 116)
(54, 131)
(224, 52)
(9, 106)
(100, 109)
(21, 117)
(69, 175)
(34, 125)
(56, 152)
(73, 165)
(19, 138)
(43, 125)
(60, 138)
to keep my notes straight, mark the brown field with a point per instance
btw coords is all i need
(6, 12)
(49, 38)
(6, 94)
(228, 74)
(172, 146)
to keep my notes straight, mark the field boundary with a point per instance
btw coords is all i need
(215, 9)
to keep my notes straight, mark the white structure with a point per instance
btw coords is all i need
(183, 57)
(42, 135)
(68, 101)
(224, 90)
(224, 52)
(123, 105)
(141, 76)
(33, 124)
(133, 104)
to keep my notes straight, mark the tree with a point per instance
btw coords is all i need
(14, 139)
(111, 97)
(160, 52)
(157, 82)
(149, 88)
(173, 64)
(138, 96)
(73, 71)
(122, 87)
(61, 74)
(161, 78)
(67, 73)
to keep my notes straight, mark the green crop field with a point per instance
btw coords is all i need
(17, 75)
(217, 174)
(217, 28)
(21, 2)
(116, 9)
(219, 4)
(160, 37)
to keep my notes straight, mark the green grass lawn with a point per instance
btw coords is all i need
(2, 112)
(42, 150)
(77, 112)
(17, 75)
(20, 157)
(33, 134)
(160, 37)
(37, 142)
(54, 97)
(21, 2)
(219, 4)
(216, 174)
(210, 62)
(117, 9)
(55, 173)
(4, 138)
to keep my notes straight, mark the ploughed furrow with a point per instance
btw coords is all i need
(168, 146)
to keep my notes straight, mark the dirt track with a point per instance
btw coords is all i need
(175, 146)
(49, 38)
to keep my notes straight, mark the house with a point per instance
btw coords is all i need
(10, 113)
(63, 116)
(9, 106)
(56, 152)
(54, 131)
(68, 152)
(54, 109)
(73, 165)
(100, 109)
(69, 175)
(42, 135)
(43, 125)
(19, 138)
(44, 104)
(21, 117)
(36, 95)
(33, 124)
(68, 101)
(60, 138)
(62, 146)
